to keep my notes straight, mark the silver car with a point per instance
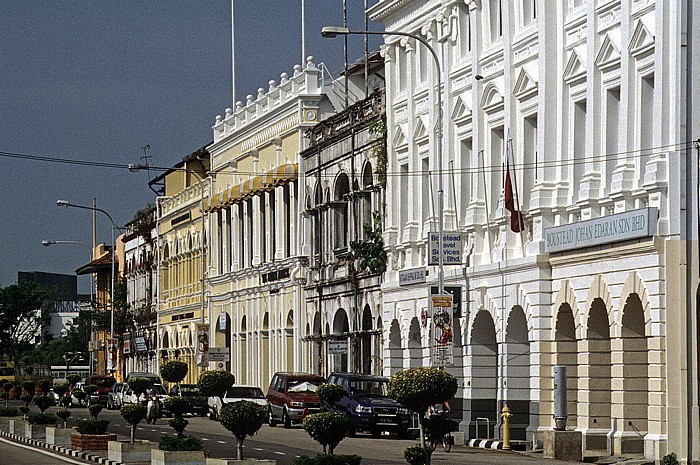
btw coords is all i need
(236, 393)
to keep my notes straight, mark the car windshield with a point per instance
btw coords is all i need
(367, 387)
(245, 393)
(301, 386)
(159, 389)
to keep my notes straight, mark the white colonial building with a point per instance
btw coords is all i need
(588, 105)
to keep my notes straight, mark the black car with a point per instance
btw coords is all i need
(368, 406)
(198, 402)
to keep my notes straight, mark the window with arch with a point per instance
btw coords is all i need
(340, 208)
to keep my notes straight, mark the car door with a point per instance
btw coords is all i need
(344, 404)
(276, 396)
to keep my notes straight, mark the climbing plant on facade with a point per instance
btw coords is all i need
(369, 252)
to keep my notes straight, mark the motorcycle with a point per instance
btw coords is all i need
(153, 409)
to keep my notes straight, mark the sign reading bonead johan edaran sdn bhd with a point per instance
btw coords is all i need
(604, 230)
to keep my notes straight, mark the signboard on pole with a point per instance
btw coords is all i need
(451, 248)
(202, 354)
(112, 347)
(219, 354)
(442, 338)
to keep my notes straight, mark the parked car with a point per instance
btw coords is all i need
(367, 405)
(236, 393)
(198, 402)
(291, 397)
(114, 396)
(104, 383)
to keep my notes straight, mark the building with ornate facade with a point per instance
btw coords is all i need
(586, 107)
(181, 236)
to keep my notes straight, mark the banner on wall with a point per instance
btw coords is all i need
(441, 343)
(112, 347)
(202, 355)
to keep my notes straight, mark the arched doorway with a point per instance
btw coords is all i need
(484, 373)
(366, 341)
(415, 352)
(265, 349)
(395, 355)
(243, 338)
(340, 327)
(222, 336)
(566, 354)
(517, 372)
(597, 385)
(316, 346)
(289, 340)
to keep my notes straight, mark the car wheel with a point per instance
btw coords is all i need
(271, 418)
(286, 420)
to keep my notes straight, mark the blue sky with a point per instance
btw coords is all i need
(99, 80)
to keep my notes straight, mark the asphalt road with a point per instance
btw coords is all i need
(283, 445)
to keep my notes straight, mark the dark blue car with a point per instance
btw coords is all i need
(368, 406)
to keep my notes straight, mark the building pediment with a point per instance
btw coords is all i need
(399, 137)
(461, 112)
(492, 98)
(575, 68)
(642, 40)
(526, 82)
(609, 53)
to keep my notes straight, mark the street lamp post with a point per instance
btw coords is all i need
(65, 203)
(334, 31)
(135, 167)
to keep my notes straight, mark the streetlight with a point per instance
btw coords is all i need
(65, 203)
(334, 31)
(136, 167)
(47, 243)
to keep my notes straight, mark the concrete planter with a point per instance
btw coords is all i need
(177, 457)
(18, 427)
(82, 442)
(241, 462)
(5, 423)
(127, 452)
(37, 432)
(58, 436)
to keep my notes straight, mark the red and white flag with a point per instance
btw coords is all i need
(517, 221)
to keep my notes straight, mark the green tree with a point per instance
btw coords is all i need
(330, 394)
(21, 317)
(243, 419)
(327, 428)
(173, 371)
(140, 385)
(133, 414)
(214, 383)
(418, 389)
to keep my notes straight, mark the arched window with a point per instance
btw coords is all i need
(340, 207)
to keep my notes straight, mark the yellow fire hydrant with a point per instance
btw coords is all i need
(505, 415)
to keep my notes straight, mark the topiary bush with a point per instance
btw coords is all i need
(180, 443)
(133, 414)
(243, 419)
(327, 428)
(90, 389)
(214, 383)
(92, 426)
(178, 424)
(29, 388)
(65, 401)
(60, 389)
(419, 388)
(73, 378)
(174, 371)
(45, 385)
(95, 410)
(26, 398)
(670, 459)
(177, 405)
(43, 402)
(414, 455)
(330, 394)
(79, 395)
(327, 460)
(140, 385)
(41, 419)
(63, 414)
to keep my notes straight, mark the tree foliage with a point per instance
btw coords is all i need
(369, 252)
(133, 414)
(327, 428)
(215, 382)
(330, 394)
(21, 316)
(243, 419)
(173, 371)
(140, 385)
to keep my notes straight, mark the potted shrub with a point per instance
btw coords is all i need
(63, 414)
(132, 451)
(90, 391)
(43, 402)
(330, 394)
(91, 435)
(94, 410)
(37, 422)
(214, 383)
(27, 399)
(60, 436)
(45, 386)
(173, 371)
(29, 388)
(181, 448)
(243, 419)
(418, 389)
(7, 388)
(140, 385)
(327, 428)
(73, 378)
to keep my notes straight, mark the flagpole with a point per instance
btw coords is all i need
(303, 32)
(233, 60)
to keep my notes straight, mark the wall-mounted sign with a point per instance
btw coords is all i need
(140, 344)
(219, 354)
(604, 230)
(126, 346)
(337, 346)
(451, 248)
(412, 276)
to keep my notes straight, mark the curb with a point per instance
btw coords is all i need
(485, 443)
(64, 450)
